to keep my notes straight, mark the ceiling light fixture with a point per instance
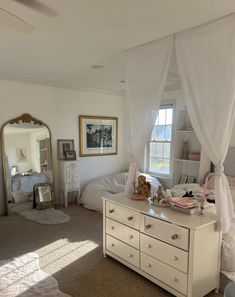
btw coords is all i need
(97, 67)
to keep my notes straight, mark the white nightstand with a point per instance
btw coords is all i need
(69, 180)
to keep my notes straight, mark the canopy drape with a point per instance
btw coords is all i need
(206, 64)
(146, 73)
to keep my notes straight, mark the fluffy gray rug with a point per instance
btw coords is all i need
(22, 276)
(49, 216)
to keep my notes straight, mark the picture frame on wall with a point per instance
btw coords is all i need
(64, 145)
(70, 155)
(21, 154)
(98, 135)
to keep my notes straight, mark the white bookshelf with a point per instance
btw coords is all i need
(183, 164)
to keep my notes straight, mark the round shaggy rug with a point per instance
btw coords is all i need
(49, 216)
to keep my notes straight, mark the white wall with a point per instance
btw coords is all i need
(14, 141)
(59, 108)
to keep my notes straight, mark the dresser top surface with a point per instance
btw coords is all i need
(167, 214)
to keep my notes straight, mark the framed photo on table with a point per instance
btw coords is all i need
(98, 135)
(64, 145)
(183, 179)
(190, 180)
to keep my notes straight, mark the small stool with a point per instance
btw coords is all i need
(229, 290)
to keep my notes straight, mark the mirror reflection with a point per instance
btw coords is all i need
(44, 193)
(27, 159)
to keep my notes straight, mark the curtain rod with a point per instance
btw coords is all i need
(174, 33)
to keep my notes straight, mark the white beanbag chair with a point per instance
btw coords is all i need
(109, 184)
(228, 251)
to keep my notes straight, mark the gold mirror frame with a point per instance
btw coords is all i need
(36, 196)
(24, 118)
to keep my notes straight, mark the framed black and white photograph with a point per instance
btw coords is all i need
(98, 135)
(64, 145)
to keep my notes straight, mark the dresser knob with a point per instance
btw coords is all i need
(131, 236)
(130, 255)
(174, 236)
(148, 226)
(149, 265)
(175, 279)
(112, 244)
(112, 228)
(148, 246)
(130, 218)
(111, 210)
(175, 258)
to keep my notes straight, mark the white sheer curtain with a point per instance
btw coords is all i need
(146, 74)
(206, 63)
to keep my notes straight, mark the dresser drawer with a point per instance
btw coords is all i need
(164, 252)
(72, 185)
(122, 250)
(72, 179)
(123, 214)
(71, 171)
(72, 176)
(166, 274)
(122, 232)
(171, 233)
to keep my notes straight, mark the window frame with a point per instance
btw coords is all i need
(165, 105)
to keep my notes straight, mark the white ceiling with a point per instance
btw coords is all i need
(61, 50)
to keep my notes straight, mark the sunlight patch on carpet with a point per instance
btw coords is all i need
(61, 253)
(22, 276)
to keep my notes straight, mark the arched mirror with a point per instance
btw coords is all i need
(27, 160)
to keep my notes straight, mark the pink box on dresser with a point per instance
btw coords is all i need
(194, 156)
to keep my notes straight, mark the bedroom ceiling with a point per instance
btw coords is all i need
(62, 49)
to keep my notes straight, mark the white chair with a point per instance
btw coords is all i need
(69, 180)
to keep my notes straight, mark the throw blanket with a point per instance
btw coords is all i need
(25, 183)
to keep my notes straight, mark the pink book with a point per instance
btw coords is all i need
(137, 196)
(183, 201)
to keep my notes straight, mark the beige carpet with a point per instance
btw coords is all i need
(72, 254)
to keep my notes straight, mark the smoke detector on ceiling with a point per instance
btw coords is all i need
(97, 67)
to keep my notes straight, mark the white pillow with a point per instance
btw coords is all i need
(228, 251)
(181, 189)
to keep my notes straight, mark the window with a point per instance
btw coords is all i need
(160, 142)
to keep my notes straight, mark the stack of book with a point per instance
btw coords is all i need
(184, 204)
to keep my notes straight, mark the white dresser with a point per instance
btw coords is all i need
(179, 252)
(69, 180)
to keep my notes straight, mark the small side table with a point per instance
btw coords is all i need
(69, 180)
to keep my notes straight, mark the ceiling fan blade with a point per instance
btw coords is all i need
(11, 21)
(40, 7)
